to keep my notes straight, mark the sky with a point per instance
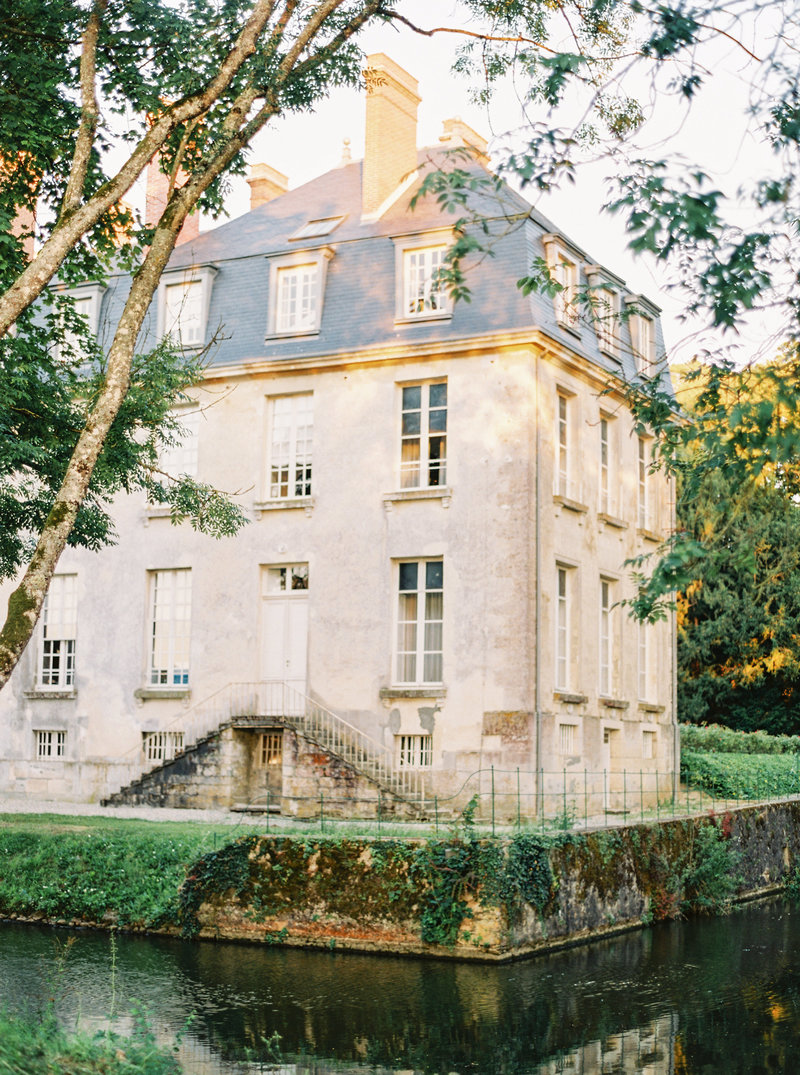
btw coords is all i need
(304, 146)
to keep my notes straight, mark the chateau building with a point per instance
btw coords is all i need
(441, 499)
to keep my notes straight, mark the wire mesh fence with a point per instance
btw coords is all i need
(500, 801)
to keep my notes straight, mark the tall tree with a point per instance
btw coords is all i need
(193, 82)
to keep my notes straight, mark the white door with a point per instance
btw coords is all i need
(284, 624)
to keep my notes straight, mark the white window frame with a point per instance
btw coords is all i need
(414, 751)
(419, 630)
(50, 743)
(642, 317)
(606, 291)
(606, 465)
(564, 263)
(58, 635)
(169, 650)
(280, 269)
(294, 453)
(607, 626)
(92, 295)
(201, 276)
(565, 446)
(565, 576)
(428, 470)
(645, 486)
(644, 647)
(408, 247)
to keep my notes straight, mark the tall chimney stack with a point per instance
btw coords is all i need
(390, 152)
(265, 184)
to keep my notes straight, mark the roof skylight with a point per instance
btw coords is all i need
(314, 229)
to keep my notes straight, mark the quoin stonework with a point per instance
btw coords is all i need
(441, 499)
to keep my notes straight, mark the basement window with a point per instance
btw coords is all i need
(414, 751)
(161, 746)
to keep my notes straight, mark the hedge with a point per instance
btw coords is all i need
(704, 738)
(742, 776)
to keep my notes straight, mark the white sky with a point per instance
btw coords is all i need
(305, 146)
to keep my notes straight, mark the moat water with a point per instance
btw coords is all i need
(706, 997)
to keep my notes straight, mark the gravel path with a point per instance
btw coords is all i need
(143, 813)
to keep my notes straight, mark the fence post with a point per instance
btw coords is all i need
(641, 793)
(565, 797)
(658, 801)
(267, 809)
(436, 813)
(321, 810)
(624, 794)
(540, 792)
(585, 798)
(605, 795)
(519, 818)
(493, 800)
(379, 813)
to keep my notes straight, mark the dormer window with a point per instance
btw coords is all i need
(421, 290)
(84, 304)
(564, 264)
(642, 317)
(183, 302)
(297, 290)
(606, 307)
(315, 229)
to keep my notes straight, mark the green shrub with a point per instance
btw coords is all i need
(714, 738)
(742, 776)
(41, 1048)
(711, 877)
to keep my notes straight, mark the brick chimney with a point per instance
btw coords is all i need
(455, 132)
(156, 194)
(265, 184)
(391, 132)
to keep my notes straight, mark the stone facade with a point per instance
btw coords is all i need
(440, 570)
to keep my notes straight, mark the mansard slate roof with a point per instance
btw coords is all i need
(359, 304)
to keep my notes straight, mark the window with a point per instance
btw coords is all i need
(291, 434)
(420, 263)
(644, 661)
(605, 298)
(423, 289)
(563, 262)
(424, 436)
(414, 751)
(645, 520)
(648, 745)
(606, 637)
(180, 458)
(566, 738)
(50, 744)
(642, 317)
(170, 618)
(59, 614)
(79, 305)
(562, 628)
(161, 746)
(297, 289)
(419, 622)
(270, 749)
(286, 579)
(184, 296)
(605, 465)
(297, 299)
(315, 229)
(563, 445)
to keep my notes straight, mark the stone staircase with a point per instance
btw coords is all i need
(251, 704)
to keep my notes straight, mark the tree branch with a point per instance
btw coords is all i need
(89, 110)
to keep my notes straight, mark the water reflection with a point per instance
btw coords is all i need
(682, 999)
